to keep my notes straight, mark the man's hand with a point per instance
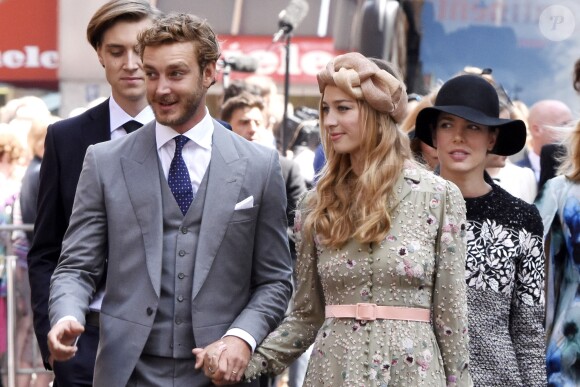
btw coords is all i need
(62, 339)
(224, 361)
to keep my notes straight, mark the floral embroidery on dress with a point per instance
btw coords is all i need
(435, 202)
(411, 267)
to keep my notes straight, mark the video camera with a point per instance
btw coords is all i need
(303, 129)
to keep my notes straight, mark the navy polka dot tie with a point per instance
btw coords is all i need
(178, 178)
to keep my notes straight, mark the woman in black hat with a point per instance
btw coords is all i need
(505, 260)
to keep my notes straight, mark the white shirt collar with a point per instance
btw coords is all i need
(201, 133)
(535, 162)
(118, 116)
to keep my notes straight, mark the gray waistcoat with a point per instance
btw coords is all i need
(172, 332)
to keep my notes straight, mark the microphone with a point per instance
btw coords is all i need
(244, 64)
(290, 18)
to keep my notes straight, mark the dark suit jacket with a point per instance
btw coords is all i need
(29, 194)
(295, 188)
(525, 161)
(65, 147)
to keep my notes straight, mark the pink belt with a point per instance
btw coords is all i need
(370, 312)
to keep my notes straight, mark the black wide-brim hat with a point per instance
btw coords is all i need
(474, 99)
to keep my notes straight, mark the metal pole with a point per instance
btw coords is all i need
(284, 127)
(11, 319)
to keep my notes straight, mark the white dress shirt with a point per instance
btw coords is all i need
(118, 117)
(535, 162)
(196, 155)
(196, 152)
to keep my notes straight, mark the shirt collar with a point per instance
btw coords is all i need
(201, 133)
(118, 116)
(534, 160)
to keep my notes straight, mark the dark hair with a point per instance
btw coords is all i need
(243, 100)
(114, 11)
(237, 87)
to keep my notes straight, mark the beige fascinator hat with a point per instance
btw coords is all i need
(363, 79)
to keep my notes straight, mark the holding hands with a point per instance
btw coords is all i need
(224, 361)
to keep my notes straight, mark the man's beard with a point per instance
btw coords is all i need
(185, 112)
(191, 104)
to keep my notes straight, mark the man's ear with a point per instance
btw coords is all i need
(209, 74)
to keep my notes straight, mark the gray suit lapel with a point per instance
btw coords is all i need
(141, 171)
(226, 174)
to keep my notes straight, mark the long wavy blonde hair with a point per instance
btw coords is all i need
(347, 206)
(570, 162)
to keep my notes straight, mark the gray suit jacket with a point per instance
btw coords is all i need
(242, 271)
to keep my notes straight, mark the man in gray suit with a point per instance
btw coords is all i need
(187, 221)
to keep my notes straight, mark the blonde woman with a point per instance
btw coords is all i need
(559, 206)
(380, 275)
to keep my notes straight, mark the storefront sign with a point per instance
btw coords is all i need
(28, 42)
(307, 56)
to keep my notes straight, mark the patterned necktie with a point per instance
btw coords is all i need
(131, 126)
(178, 179)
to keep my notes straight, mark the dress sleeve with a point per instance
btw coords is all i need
(298, 330)
(449, 295)
(554, 272)
(527, 308)
(547, 204)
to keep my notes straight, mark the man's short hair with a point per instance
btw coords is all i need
(118, 10)
(243, 100)
(179, 28)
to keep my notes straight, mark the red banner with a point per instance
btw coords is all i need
(307, 56)
(28, 42)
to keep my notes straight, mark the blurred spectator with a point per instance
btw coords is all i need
(303, 145)
(11, 156)
(244, 113)
(236, 87)
(559, 206)
(319, 161)
(551, 157)
(576, 76)
(544, 116)
(518, 181)
(425, 154)
(27, 107)
(273, 101)
(31, 179)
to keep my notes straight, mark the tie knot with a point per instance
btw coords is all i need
(131, 126)
(180, 141)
